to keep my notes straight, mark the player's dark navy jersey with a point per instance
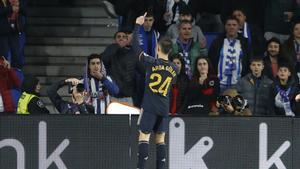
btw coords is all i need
(160, 74)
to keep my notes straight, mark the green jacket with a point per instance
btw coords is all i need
(194, 52)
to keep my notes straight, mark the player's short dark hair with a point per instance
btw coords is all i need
(165, 45)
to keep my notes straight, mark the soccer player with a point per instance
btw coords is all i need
(160, 73)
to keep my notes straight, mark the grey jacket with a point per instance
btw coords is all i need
(197, 33)
(257, 96)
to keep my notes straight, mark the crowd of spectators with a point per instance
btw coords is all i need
(251, 68)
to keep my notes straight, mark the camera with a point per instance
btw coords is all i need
(79, 87)
(224, 99)
(239, 103)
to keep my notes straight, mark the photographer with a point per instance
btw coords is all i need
(76, 89)
(230, 103)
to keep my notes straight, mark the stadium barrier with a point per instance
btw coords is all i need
(110, 142)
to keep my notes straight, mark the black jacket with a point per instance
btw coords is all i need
(121, 64)
(199, 98)
(257, 40)
(182, 83)
(65, 107)
(268, 68)
(289, 53)
(36, 106)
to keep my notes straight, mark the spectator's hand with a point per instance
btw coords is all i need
(97, 75)
(74, 81)
(6, 64)
(141, 19)
(297, 98)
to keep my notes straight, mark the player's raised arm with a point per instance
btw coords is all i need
(138, 51)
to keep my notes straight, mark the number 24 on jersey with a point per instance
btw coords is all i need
(159, 85)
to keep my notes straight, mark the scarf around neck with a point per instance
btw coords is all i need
(282, 100)
(230, 65)
(143, 41)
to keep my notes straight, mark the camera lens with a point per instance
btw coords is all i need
(80, 87)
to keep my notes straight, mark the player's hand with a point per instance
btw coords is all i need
(297, 98)
(74, 81)
(141, 19)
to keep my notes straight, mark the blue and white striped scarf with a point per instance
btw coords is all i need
(143, 41)
(184, 50)
(282, 100)
(230, 62)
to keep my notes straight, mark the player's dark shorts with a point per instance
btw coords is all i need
(149, 122)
